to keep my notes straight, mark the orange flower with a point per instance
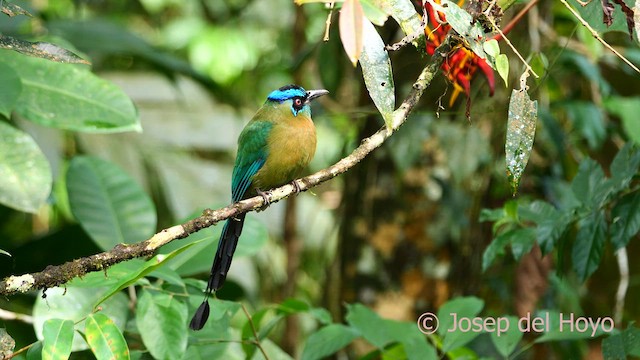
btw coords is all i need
(461, 66)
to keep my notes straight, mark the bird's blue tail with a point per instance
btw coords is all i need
(221, 263)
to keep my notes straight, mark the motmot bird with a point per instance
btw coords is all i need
(273, 148)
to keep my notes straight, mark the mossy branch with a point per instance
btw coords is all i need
(53, 276)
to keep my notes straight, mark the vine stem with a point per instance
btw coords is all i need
(255, 333)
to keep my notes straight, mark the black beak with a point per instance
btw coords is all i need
(312, 94)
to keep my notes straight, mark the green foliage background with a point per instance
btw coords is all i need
(144, 138)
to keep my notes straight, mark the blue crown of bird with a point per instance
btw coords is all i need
(273, 149)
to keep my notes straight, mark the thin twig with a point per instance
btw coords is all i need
(597, 36)
(328, 22)
(255, 333)
(513, 48)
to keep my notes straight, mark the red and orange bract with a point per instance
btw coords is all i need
(461, 66)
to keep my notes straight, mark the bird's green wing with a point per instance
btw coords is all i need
(252, 154)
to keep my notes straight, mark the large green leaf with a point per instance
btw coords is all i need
(327, 341)
(10, 89)
(505, 342)
(625, 166)
(26, 177)
(162, 321)
(110, 205)
(75, 304)
(590, 185)
(376, 71)
(587, 250)
(70, 97)
(381, 332)
(461, 308)
(623, 345)
(132, 277)
(58, 338)
(104, 338)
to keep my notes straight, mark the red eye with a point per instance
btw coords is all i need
(297, 102)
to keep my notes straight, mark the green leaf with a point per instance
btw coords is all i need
(162, 321)
(462, 307)
(624, 166)
(502, 66)
(328, 341)
(58, 338)
(292, 306)
(370, 325)
(625, 219)
(132, 277)
(42, 50)
(104, 338)
(111, 207)
(623, 345)
(35, 352)
(521, 131)
(520, 239)
(626, 109)
(376, 71)
(75, 304)
(589, 244)
(70, 97)
(350, 24)
(26, 177)
(10, 89)
(381, 332)
(589, 185)
(506, 341)
(592, 13)
(551, 223)
(374, 12)
(522, 242)
(403, 12)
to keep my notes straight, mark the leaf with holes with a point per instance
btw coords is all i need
(376, 71)
(521, 131)
(589, 244)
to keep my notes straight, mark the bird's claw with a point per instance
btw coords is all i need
(265, 197)
(296, 187)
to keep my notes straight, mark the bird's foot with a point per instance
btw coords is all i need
(296, 187)
(265, 196)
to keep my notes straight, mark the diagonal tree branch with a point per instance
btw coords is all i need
(53, 276)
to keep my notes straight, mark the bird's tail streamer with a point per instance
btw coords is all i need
(221, 263)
